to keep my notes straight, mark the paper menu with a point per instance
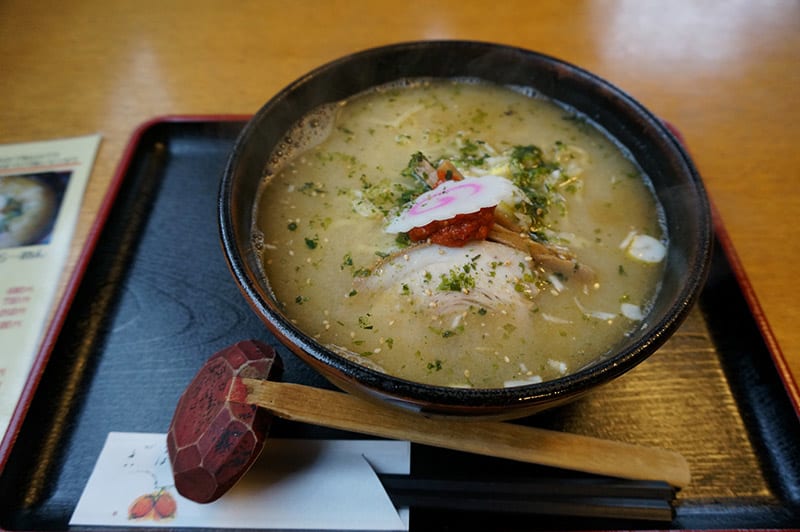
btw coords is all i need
(41, 190)
(295, 485)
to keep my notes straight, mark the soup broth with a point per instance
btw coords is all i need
(570, 260)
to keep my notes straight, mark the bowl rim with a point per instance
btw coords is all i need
(517, 397)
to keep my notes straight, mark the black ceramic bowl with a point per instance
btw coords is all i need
(676, 182)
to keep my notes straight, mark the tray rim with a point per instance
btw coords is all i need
(63, 306)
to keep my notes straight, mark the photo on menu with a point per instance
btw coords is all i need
(29, 206)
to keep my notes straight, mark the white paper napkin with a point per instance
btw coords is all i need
(295, 485)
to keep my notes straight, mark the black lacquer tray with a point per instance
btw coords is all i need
(153, 299)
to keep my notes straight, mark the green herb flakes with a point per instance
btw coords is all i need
(436, 365)
(362, 272)
(457, 281)
(347, 261)
(364, 322)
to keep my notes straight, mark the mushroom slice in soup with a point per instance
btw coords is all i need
(446, 282)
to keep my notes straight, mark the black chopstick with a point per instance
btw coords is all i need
(578, 497)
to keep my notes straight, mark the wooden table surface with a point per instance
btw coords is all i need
(726, 73)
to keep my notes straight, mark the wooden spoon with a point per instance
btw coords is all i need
(223, 417)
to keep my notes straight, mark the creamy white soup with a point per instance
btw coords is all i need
(460, 233)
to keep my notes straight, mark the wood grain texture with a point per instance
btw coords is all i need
(564, 450)
(725, 73)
